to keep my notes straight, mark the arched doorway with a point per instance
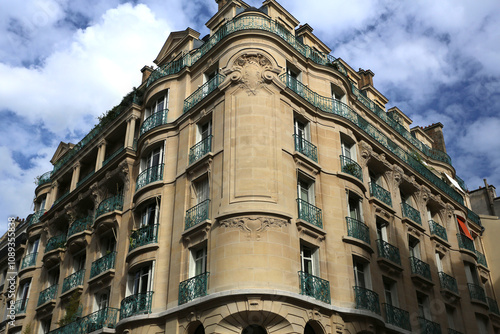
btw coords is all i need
(254, 329)
(309, 330)
(199, 330)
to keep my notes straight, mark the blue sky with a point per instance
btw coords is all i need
(63, 63)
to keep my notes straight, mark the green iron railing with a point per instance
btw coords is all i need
(144, 236)
(438, 230)
(139, 303)
(465, 243)
(357, 229)
(104, 318)
(310, 213)
(20, 306)
(152, 174)
(59, 241)
(80, 225)
(472, 216)
(193, 288)
(47, 294)
(197, 214)
(44, 178)
(428, 327)
(246, 23)
(73, 280)
(110, 204)
(419, 267)
(366, 299)
(388, 251)
(380, 193)
(481, 259)
(306, 148)
(112, 155)
(200, 149)
(397, 317)
(85, 178)
(329, 105)
(63, 196)
(448, 282)
(103, 264)
(493, 305)
(29, 260)
(203, 92)
(35, 218)
(315, 287)
(411, 213)
(476, 292)
(349, 166)
(156, 119)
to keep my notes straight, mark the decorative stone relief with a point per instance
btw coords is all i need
(397, 176)
(253, 226)
(96, 193)
(124, 172)
(252, 70)
(425, 195)
(366, 150)
(70, 211)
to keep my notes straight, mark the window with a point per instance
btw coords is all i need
(141, 281)
(301, 129)
(45, 325)
(158, 105)
(361, 273)
(414, 247)
(202, 190)
(382, 229)
(309, 260)
(391, 292)
(450, 314)
(108, 244)
(348, 148)
(439, 262)
(423, 306)
(482, 324)
(79, 261)
(33, 246)
(338, 94)
(354, 206)
(149, 215)
(53, 276)
(153, 159)
(198, 261)
(293, 72)
(204, 131)
(101, 300)
(471, 273)
(405, 198)
(305, 190)
(23, 293)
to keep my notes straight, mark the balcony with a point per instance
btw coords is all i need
(493, 305)
(144, 236)
(477, 293)
(448, 282)
(112, 156)
(153, 121)
(420, 268)
(357, 229)
(315, 287)
(366, 299)
(388, 251)
(351, 167)
(109, 205)
(380, 193)
(197, 214)
(85, 178)
(103, 264)
(60, 198)
(35, 219)
(397, 317)
(203, 92)
(29, 261)
(438, 230)
(306, 148)
(481, 259)
(149, 175)
(104, 318)
(20, 306)
(55, 242)
(139, 303)
(428, 327)
(47, 294)
(193, 288)
(73, 281)
(309, 213)
(466, 243)
(80, 225)
(200, 149)
(472, 216)
(411, 213)
(43, 179)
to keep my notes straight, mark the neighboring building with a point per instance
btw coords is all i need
(255, 184)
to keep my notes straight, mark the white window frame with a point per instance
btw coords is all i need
(53, 279)
(302, 129)
(147, 211)
(78, 264)
(159, 104)
(136, 279)
(99, 302)
(362, 268)
(195, 259)
(423, 306)
(24, 292)
(313, 258)
(415, 249)
(382, 231)
(357, 209)
(342, 98)
(33, 246)
(391, 292)
(450, 315)
(439, 262)
(307, 185)
(148, 161)
(471, 273)
(202, 134)
(294, 72)
(43, 325)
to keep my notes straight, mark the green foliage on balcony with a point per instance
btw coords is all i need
(388, 251)
(380, 193)
(411, 213)
(351, 167)
(315, 287)
(438, 230)
(476, 292)
(192, 288)
(493, 305)
(104, 318)
(428, 327)
(47, 294)
(419, 267)
(197, 214)
(357, 229)
(35, 218)
(73, 280)
(200, 149)
(153, 121)
(80, 225)
(144, 236)
(366, 299)
(481, 259)
(103, 264)
(139, 303)
(20, 306)
(448, 282)
(397, 317)
(44, 178)
(310, 213)
(203, 92)
(465, 243)
(29, 260)
(110, 204)
(152, 174)
(306, 148)
(59, 241)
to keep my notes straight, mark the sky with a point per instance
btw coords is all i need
(64, 63)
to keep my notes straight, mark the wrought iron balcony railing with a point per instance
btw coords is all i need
(472, 216)
(448, 282)
(112, 155)
(193, 288)
(388, 251)
(103, 264)
(411, 213)
(85, 178)
(73, 280)
(80, 225)
(59, 241)
(44, 178)
(357, 229)
(380, 193)
(29, 260)
(310, 213)
(481, 259)
(200, 149)
(419, 267)
(438, 230)
(197, 214)
(315, 287)
(20, 306)
(428, 327)
(60, 198)
(153, 121)
(47, 294)
(465, 243)
(306, 148)
(144, 236)
(351, 167)
(366, 299)
(397, 317)
(36, 217)
(152, 174)
(139, 303)
(110, 204)
(493, 305)
(203, 91)
(104, 318)
(476, 292)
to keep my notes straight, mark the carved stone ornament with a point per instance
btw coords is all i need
(70, 211)
(253, 226)
(398, 176)
(425, 194)
(124, 171)
(97, 194)
(366, 150)
(252, 71)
